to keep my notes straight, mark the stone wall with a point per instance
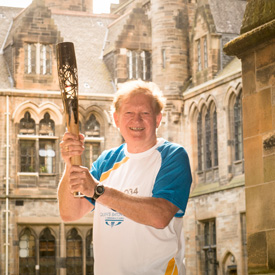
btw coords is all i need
(255, 47)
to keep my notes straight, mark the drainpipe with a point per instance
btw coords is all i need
(7, 185)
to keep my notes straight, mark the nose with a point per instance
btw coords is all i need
(138, 117)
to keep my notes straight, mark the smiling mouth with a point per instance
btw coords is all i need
(136, 129)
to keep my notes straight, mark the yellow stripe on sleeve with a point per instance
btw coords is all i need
(171, 268)
(105, 175)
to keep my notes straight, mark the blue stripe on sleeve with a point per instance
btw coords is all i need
(174, 179)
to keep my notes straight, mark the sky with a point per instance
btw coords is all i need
(100, 6)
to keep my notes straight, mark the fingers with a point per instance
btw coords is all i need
(71, 145)
(80, 180)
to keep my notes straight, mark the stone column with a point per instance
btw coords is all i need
(169, 45)
(256, 48)
(170, 64)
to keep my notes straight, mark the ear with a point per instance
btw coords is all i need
(158, 119)
(116, 120)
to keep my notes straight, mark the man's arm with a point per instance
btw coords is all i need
(71, 208)
(156, 212)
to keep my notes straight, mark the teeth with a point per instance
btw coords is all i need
(136, 129)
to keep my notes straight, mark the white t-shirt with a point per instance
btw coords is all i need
(125, 247)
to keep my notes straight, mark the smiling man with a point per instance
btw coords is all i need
(138, 191)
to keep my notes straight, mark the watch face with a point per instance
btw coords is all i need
(100, 189)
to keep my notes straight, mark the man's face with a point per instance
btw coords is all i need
(138, 122)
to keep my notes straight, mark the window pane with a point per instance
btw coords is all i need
(205, 53)
(46, 126)
(91, 153)
(27, 125)
(74, 253)
(92, 127)
(27, 155)
(47, 253)
(89, 254)
(215, 141)
(45, 59)
(208, 141)
(27, 253)
(238, 133)
(199, 142)
(199, 54)
(130, 64)
(30, 58)
(209, 248)
(47, 156)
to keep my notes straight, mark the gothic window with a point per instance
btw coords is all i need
(205, 54)
(235, 141)
(89, 253)
(207, 138)
(209, 254)
(47, 253)
(27, 252)
(139, 65)
(74, 253)
(92, 127)
(37, 146)
(38, 59)
(215, 138)
(92, 141)
(202, 53)
(46, 125)
(200, 142)
(27, 125)
(238, 129)
(199, 54)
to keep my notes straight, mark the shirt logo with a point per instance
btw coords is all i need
(112, 218)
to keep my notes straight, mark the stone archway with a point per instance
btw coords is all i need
(230, 264)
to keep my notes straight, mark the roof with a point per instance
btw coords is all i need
(6, 17)
(88, 34)
(227, 15)
(114, 30)
(86, 31)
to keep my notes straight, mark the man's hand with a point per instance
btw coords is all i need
(81, 180)
(70, 146)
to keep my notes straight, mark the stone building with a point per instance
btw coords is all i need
(179, 45)
(255, 48)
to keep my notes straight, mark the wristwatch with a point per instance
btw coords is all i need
(99, 190)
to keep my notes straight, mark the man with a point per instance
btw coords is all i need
(138, 191)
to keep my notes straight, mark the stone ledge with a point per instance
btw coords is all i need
(249, 40)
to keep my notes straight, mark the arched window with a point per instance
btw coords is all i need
(92, 141)
(47, 253)
(238, 129)
(46, 125)
(92, 127)
(207, 138)
(200, 142)
(235, 139)
(89, 253)
(37, 143)
(46, 146)
(208, 141)
(27, 252)
(27, 125)
(74, 253)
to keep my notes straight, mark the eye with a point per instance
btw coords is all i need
(128, 114)
(145, 113)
